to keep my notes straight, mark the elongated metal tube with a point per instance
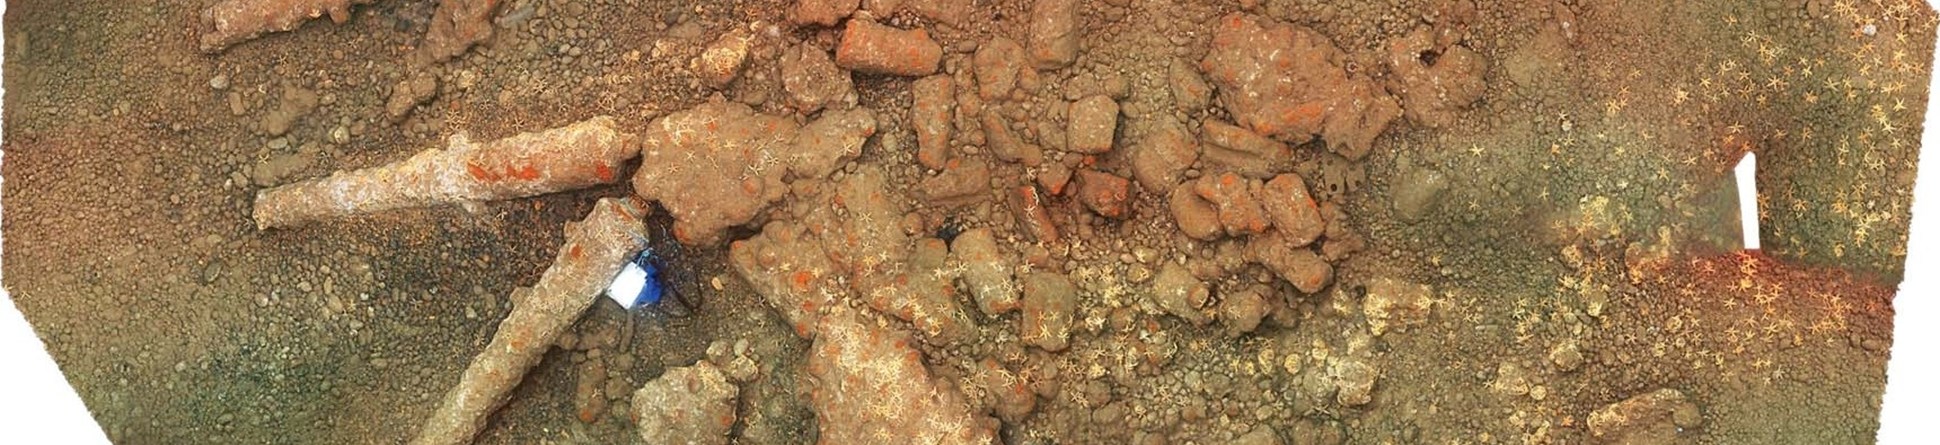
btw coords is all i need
(596, 249)
(580, 155)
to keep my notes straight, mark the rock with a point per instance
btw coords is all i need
(860, 225)
(296, 104)
(410, 93)
(1006, 391)
(949, 12)
(1104, 193)
(687, 405)
(1094, 123)
(1236, 200)
(1163, 154)
(821, 12)
(1195, 215)
(219, 82)
(701, 165)
(455, 27)
(1297, 265)
(1287, 82)
(1434, 81)
(812, 81)
(1656, 417)
(1417, 192)
(281, 168)
(589, 397)
(1314, 431)
(1354, 380)
(1050, 309)
(788, 267)
(1243, 151)
(986, 271)
(1392, 303)
(722, 61)
(1242, 311)
(963, 182)
(931, 116)
(1189, 89)
(1566, 356)
(1261, 435)
(1511, 379)
(997, 64)
(924, 295)
(869, 385)
(1029, 208)
(1291, 210)
(1341, 240)
(1054, 178)
(1053, 34)
(1005, 143)
(1180, 293)
(829, 142)
(880, 49)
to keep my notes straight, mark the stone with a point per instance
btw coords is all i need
(812, 81)
(1353, 379)
(1260, 435)
(1392, 303)
(1298, 265)
(1005, 143)
(931, 116)
(1655, 417)
(1104, 193)
(964, 181)
(721, 62)
(1180, 293)
(686, 405)
(1053, 34)
(924, 295)
(408, 94)
(1287, 82)
(1292, 210)
(1093, 124)
(1242, 311)
(1029, 208)
(869, 385)
(1243, 151)
(589, 398)
(949, 12)
(874, 48)
(821, 12)
(1190, 92)
(1162, 156)
(1434, 80)
(1417, 192)
(1195, 215)
(986, 271)
(1050, 309)
(1237, 201)
(702, 165)
(296, 104)
(997, 65)
(1567, 356)
(828, 142)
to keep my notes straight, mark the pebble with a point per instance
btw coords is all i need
(220, 82)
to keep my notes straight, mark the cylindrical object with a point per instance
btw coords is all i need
(882, 49)
(576, 156)
(596, 248)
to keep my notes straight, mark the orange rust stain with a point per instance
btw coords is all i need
(528, 172)
(604, 171)
(479, 173)
(801, 280)
(576, 252)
